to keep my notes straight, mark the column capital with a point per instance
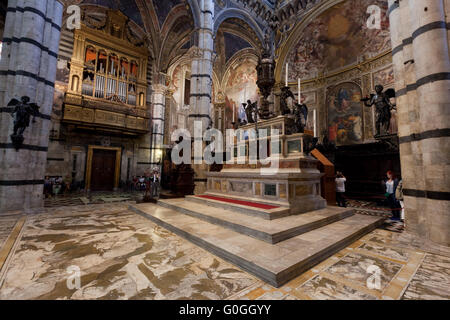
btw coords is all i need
(159, 89)
(195, 52)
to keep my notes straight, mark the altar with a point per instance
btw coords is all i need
(293, 184)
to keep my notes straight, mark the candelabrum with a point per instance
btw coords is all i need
(266, 81)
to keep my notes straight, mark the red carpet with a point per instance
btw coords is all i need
(244, 203)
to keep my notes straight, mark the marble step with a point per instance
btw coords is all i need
(270, 214)
(275, 264)
(272, 231)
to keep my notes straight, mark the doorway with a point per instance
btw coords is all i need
(103, 168)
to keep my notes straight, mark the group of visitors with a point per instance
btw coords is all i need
(394, 194)
(54, 186)
(150, 182)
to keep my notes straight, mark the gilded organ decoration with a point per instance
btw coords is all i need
(108, 71)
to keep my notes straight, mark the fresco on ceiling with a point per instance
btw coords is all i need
(163, 8)
(128, 7)
(345, 114)
(337, 38)
(234, 44)
(240, 87)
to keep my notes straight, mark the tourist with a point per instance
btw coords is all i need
(399, 197)
(47, 187)
(155, 183)
(340, 190)
(67, 183)
(57, 185)
(391, 186)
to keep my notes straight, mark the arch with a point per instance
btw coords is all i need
(239, 14)
(193, 4)
(237, 58)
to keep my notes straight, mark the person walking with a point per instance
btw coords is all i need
(340, 190)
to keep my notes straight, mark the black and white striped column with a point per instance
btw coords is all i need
(158, 124)
(422, 74)
(201, 84)
(27, 68)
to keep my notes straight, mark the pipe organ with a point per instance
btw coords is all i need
(107, 72)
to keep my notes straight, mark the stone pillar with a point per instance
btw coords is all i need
(27, 68)
(201, 82)
(158, 122)
(422, 74)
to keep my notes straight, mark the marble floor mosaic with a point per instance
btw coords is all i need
(122, 255)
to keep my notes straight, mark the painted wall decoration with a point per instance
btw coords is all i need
(240, 86)
(179, 109)
(309, 98)
(345, 125)
(384, 77)
(337, 38)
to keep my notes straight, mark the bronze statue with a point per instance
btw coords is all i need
(383, 107)
(251, 110)
(286, 93)
(22, 112)
(301, 117)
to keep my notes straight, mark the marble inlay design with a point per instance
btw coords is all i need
(240, 187)
(354, 267)
(393, 253)
(432, 280)
(322, 288)
(124, 256)
(6, 226)
(121, 256)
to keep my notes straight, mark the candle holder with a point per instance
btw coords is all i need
(266, 81)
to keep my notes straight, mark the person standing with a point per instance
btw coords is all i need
(340, 190)
(155, 183)
(399, 197)
(48, 187)
(391, 187)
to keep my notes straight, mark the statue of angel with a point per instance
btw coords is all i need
(22, 112)
(286, 93)
(301, 117)
(383, 107)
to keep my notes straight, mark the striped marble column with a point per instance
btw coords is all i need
(201, 85)
(158, 122)
(27, 68)
(422, 72)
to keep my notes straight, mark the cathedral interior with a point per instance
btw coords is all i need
(94, 95)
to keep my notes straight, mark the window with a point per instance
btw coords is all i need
(187, 92)
(109, 76)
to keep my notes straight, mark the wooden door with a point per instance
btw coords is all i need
(103, 170)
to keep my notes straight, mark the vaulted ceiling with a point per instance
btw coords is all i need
(168, 25)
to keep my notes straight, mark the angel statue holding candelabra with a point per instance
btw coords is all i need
(23, 110)
(383, 107)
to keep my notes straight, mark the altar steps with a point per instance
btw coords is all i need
(273, 251)
(272, 232)
(279, 211)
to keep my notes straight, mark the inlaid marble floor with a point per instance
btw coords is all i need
(122, 255)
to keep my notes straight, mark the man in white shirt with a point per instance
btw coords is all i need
(340, 190)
